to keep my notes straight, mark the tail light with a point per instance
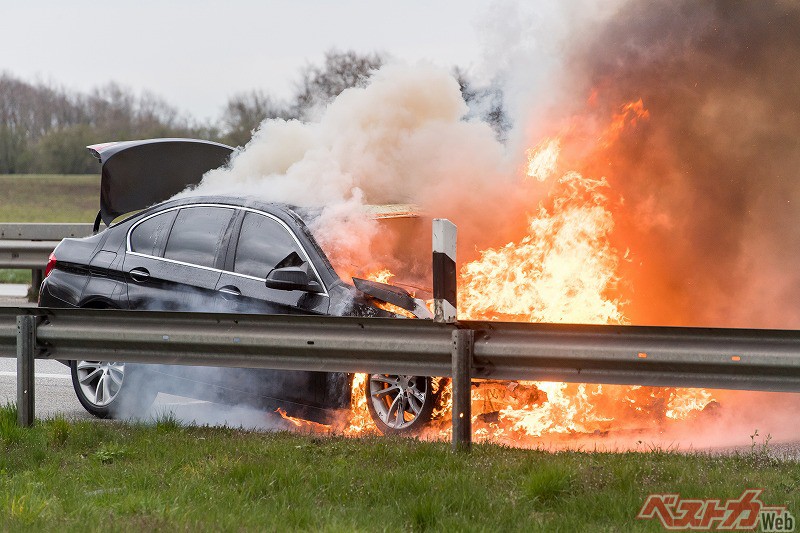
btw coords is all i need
(51, 264)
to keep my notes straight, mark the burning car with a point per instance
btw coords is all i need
(215, 254)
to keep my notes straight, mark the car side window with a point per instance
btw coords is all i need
(197, 235)
(263, 243)
(149, 237)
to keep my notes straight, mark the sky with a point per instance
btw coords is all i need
(195, 54)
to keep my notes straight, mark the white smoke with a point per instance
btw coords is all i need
(400, 139)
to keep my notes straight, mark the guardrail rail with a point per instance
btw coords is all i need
(27, 246)
(747, 359)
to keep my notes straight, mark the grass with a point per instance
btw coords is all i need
(46, 198)
(15, 276)
(69, 476)
(49, 198)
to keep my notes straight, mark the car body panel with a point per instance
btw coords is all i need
(138, 174)
(184, 255)
(103, 271)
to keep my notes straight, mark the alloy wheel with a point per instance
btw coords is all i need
(100, 381)
(399, 400)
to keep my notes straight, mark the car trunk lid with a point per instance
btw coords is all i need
(138, 174)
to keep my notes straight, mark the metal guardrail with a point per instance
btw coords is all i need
(25, 254)
(28, 245)
(746, 359)
(23, 231)
(660, 356)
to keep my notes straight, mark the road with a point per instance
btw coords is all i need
(53, 389)
(54, 394)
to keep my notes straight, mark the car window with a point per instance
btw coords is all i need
(263, 243)
(197, 235)
(149, 236)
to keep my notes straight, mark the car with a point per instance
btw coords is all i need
(215, 254)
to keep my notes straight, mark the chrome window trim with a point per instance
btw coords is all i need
(232, 207)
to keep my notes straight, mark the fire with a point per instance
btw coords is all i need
(561, 271)
(563, 268)
(303, 425)
(359, 420)
(384, 276)
(628, 115)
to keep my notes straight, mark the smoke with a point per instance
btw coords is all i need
(706, 185)
(710, 180)
(400, 139)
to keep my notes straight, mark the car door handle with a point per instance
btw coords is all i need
(229, 291)
(140, 274)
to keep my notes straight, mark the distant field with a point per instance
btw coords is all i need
(46, 198)
(49, 197)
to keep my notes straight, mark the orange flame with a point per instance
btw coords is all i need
(563, 269)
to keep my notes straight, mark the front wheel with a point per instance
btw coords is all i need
(110, 390)
(398, 403)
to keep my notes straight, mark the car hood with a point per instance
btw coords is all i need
(138, 174)
(393, 295)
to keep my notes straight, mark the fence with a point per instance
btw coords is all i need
(27, 246)
(660, 356)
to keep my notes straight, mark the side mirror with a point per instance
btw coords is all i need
(292, 278)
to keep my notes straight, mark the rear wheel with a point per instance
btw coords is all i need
(399, 403)
(110, 389)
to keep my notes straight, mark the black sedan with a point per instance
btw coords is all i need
(215, 254)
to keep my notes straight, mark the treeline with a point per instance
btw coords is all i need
(44, 129)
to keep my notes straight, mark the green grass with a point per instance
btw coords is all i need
(68, 476)
(46, 198)
(49, 198)
(15, 276)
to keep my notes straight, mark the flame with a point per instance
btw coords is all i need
(628, 115)
(301, 424)
(562, 269)
(359, 420)
(383, 276)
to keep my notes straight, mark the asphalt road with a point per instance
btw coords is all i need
(54, 394)
(53, 389)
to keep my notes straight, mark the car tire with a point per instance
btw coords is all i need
(110, 389)
(399, 404)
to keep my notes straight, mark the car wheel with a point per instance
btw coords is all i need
(399, 404)
(111, 390)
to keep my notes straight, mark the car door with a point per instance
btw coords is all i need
(262, 242)
(173, 259)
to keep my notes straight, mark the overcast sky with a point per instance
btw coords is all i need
(196, 53)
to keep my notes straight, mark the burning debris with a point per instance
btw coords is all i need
(651, 194)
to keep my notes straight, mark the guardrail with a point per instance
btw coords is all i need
(27, 246)
(660, 356)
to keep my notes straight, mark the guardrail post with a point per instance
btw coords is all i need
(26, 347)
(444, 270)
(463, 343)
(37, 275)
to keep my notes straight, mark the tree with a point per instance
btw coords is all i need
(339, 71)
(245, 111)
